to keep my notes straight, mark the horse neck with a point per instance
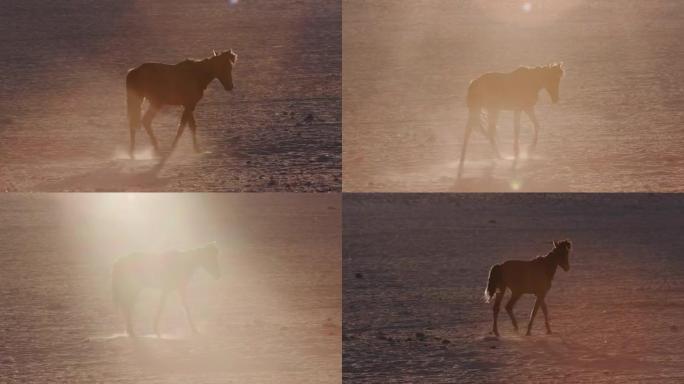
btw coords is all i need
(538, 78)
(191, 262)
(205, 74)
(550, 265)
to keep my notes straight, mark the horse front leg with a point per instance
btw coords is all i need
(127, 311)
(537, 303)
(495, 311)
(546, 317)
(162, 301)
(181, 128)
(533, 117)
(516, 133)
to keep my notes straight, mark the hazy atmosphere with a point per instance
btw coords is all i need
(63, 124)
(415, 268)
(272, 317)
(617, 126)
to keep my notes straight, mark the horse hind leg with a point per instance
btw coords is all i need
(193, 128)
(147, 123)
(133, 104)
(546, 317)
(509, 308)
(492, 120)
(533, 117)
(537, 304)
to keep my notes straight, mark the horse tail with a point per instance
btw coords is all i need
(471, 97)
(494, 281)
(475, 114)
(133, 101)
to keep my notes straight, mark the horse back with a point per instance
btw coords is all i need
(505, 91)
(165, 83)
(165, 270)
(525, 276)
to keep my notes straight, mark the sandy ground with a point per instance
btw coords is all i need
(62, 97)
(273, 317)
(415, 314)
(618, 126)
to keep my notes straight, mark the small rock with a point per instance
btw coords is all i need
(445, 342)
(420, 336)
(359, 275)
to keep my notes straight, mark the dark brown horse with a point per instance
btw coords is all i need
(516, 91)
(181, 84)
(522, 277)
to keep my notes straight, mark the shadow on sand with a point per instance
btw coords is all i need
(115, 176)
(519, 178)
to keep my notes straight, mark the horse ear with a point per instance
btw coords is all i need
(555, 244)
(214, 52)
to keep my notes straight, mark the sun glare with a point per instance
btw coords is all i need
(527, 7)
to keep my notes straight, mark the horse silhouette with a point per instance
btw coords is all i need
(522, 277)
(166, 272)
(516, 91)
(180, 84)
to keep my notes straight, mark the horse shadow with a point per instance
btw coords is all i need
(115, 176)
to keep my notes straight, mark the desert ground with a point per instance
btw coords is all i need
(63, 124)
(274, 316)
(415, 268)
(617, 127)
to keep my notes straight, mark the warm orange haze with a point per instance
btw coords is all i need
(616, 126)
(270, 122)
(415, 267)
(252, 287)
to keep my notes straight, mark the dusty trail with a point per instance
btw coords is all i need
(62, 117)
(416, 314)
(273, 317)
(407, 66)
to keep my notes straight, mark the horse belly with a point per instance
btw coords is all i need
(140, 271)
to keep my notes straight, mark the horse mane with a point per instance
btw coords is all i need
(541, 68)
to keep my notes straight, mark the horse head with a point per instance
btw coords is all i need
(208, 258)
(222, 67)
(562, 251)
(552, 77)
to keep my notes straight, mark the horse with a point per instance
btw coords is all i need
(522, 277)
(180, 84)
(515, 91)
(167, 272)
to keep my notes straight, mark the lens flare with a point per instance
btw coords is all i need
(527, 7)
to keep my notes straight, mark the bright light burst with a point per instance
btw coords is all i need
(233, 2)
(527, 7)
